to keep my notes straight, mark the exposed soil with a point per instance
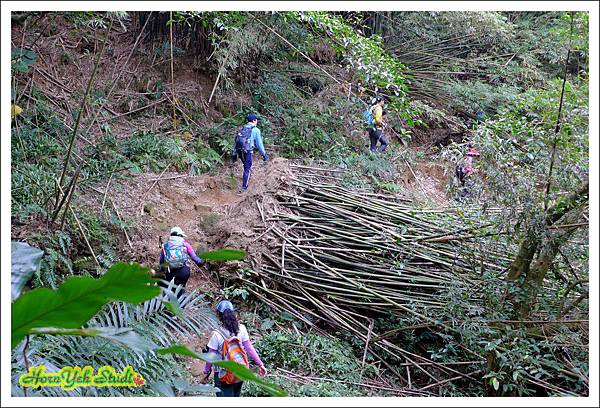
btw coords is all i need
(208, 208)
(432, 178)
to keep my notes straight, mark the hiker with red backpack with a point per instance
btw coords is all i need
(231, 342)
(246, 140)
(175, 255)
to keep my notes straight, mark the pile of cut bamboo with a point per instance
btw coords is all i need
(344, 257)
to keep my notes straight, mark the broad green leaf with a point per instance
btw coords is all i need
(25, 261)
(162, 388)
(184, 386)
(79, 298)
(200, 388)
(225, 254)
(239, 370)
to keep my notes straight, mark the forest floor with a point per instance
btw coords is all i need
(215, 215)
(207, 207)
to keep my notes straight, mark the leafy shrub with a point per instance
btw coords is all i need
(312, 355)
(473, 96)
(56, 263)
(205, 160)
(368, 167)
(154, 151)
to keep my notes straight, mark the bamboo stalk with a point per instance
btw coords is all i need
(367, 348)
(83, 105)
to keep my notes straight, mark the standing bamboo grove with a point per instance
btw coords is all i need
(342, 257)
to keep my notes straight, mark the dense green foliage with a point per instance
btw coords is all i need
(78, 299)
(314, 356)
(438, 68)
(123, 333)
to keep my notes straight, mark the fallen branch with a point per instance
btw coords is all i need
(81, 230)
(416, 178)
(360, 384)
(170, 177)
(458, 377)
(121, 220)
(106, 189)
(151, 187)
(367, 348)
(138, 109)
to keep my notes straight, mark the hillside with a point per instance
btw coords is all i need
(365, 273)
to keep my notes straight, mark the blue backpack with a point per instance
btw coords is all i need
(175, 253)
(368, 117)
(243, 138)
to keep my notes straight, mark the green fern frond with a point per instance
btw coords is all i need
(151, 320)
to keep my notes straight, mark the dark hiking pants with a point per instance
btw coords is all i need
(180, 275)
(376, 135)
(228, 390)
(247, 159)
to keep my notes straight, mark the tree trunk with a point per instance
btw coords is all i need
(521, 264)
(529, 274)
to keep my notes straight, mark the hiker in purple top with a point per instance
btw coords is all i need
(175, 255)
(230, 328)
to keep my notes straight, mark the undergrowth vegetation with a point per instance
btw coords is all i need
(309, 76)
(313, 356)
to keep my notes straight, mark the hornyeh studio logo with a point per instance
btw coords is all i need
(69, 377)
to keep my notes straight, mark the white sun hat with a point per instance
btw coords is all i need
(177, 231)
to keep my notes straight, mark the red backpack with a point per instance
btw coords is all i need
(232, 351)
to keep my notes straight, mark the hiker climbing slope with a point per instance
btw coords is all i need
(175, 255)
(463, 170)
(374, 123)
(230, 342)
(246, 140)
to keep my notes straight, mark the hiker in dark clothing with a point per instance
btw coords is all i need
(375, 127)
(174, 257)
(246, 140)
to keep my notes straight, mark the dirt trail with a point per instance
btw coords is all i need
(213, 215)
(212, 212)
(207, 207)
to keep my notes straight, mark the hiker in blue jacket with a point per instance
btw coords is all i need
(246, 140)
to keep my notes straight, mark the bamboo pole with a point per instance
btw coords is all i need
(172, 71)
(79, 114)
